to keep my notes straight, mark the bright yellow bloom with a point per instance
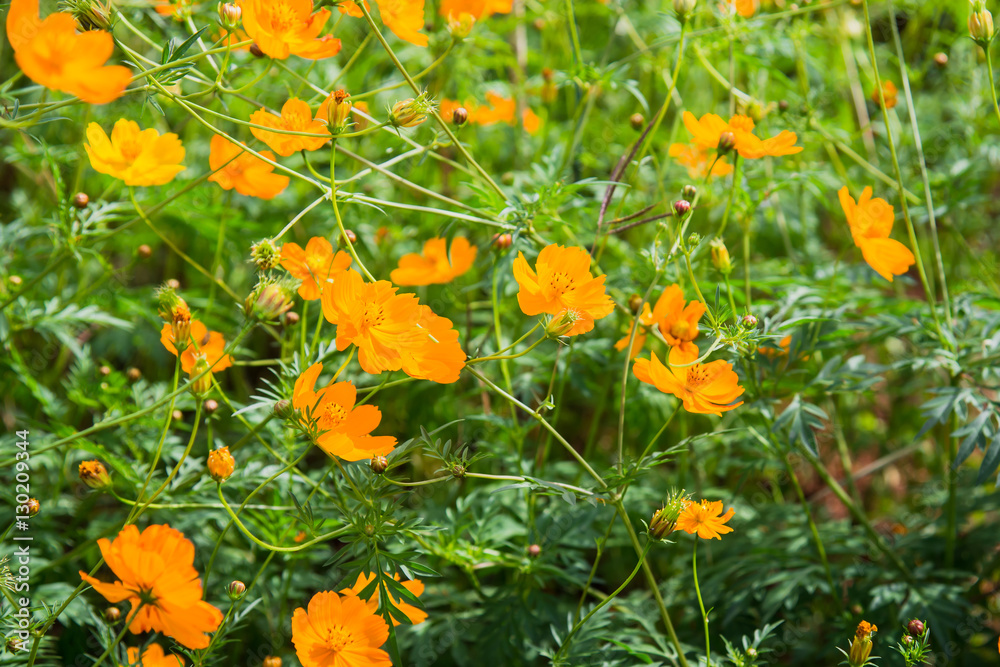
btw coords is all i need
(316, 266)
(137, 157)
(53, 54)
(415, 586)
(221, 464)
(236, 168)
(871, 223)
(560, 282)
(281, 28)
(677, 322)
(703, 388)
(434, 266)
(295, 116)
(339, 631)
(705, 519)
(155, 569)
(707, 130)
(405, 18)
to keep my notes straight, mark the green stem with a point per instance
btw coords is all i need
(701, 604)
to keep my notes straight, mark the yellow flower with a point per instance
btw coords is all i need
(705, 519)
(137, 157)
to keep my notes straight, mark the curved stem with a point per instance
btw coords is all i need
(701, 604)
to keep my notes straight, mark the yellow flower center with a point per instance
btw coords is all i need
(283, 17)
(680, 329)
(333, 416)
(317, 265)
(697, 377)
(374, 316)
(338, 637)
(559, 282)
(130, 149)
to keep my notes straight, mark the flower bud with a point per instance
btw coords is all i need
(91, 14)
(694, 239)
(460, 26)
(80, 200)
(534, 551)
(168, 302)
(337, 111)
(15, 280)
(408, 113)
(562, 324)
(202, 385)
(265, 254)
(458, 471)
(460, 116)
(291, 319)
(683, 9)
(221, 464)
(144, 251)
(13, 645)
(665, 519)
(720, 257)
(112, 614)
(981, 25)
(637, 121)
(352, 238)
(503, 241)
(549, 91)
(634, 303)
(180, 326)
(271, 661)
(283, 409)
(379, 464)
(255, 51)
(177, 415)
(689, 193)
(95, 475)
(229, 15)
(749, 322)
(34, 507)
(727, 142)
(916, 627)
(682, 207)
(236, 590)
(861, 647)
(267, 302)
(211, 405)
(133, 374)
(941, 59)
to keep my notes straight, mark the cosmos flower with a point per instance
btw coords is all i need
(871, 222)
(339, 631)
(247, 173)
(137, 157)
(316, 266)
(435, 265)
(703, 388)
(281, 28)
(705, 519)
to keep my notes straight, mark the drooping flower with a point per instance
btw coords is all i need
(339, 631)
(392, 331)
(562, 281)
(204, 344)
(296, 116)
(477, 9)
(153, 656)
(698, 159)
(703, 388)
(156, 570)
(316, 266)
(415, 586)
(53, 54)
(705, 519)
(707, 130)
(247, 173)
(340, 428)
(871, 223)
(435, 265)
(281, 28)
(137, 157)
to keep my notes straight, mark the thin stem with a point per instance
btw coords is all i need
(701, 604)
(121, 635)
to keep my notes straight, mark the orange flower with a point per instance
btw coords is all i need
(871, 222)
(281, 28)
(433, 266)
(53, 54)
(707, 389)
(208, 345)
(562, 282)
(235, 168)
(780, 351)
(137, 157)
(340, 428)
(697, 159)
(745, 8)
(446, 109)
(404, 18)
(477, 9)
(296, 116)
(707, 130)
(339, 631)
(500, 110)
(156, 570)
(530, 121)
(315, 266)
(392, 331)
(705, 519)
(890, 93)
(415, 586)
(153, 656)
(678, 323)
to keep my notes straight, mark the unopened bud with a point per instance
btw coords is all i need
(337, 111)
(236, 590)
(562, 323)
(112, 614)
(637, 121)
(33, 506)
(458, 470)
(95, 475)
(916, 627)
(720, 257)
(683, 9)
(104, 370)
(133, 374)
(267, 302)
(144, 251)
(177, 415)
(689, 193)
(221, 464)
(203, 384)
(749, 322)
(981, 26)
(265, 254)
(634, 303)
(461, 26)
(682, 207)
(255, 51)
(941, 59)
(211, 405)
(229, 15)
(503, 241)
(80, 200)
(665, 519)
(283, 409)
(352, 238)
(379, 464)
(460, 116)
(291, 319)
(534, 551)
(15, 280)
(408, 113)
(727, 142)
(694, 239)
